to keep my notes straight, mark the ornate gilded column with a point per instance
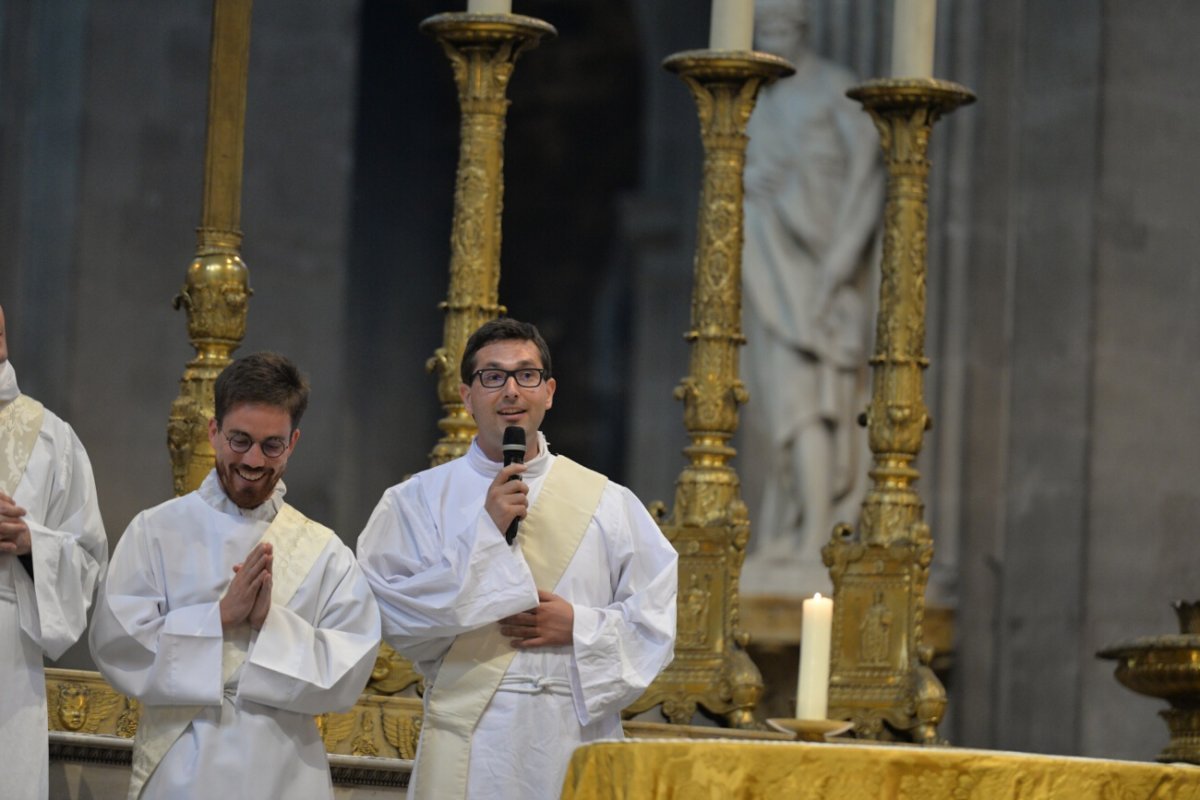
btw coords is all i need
(483, 51)
(709, 525)
(216, 290)
(880, 676)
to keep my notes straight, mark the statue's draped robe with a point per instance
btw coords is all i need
(814, 191)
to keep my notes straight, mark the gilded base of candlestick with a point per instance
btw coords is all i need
(810, 730)
(711, 668)
(881, 678)
(1168, 667)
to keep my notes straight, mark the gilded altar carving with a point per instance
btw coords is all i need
(81, 702)
(335, 728)
(80, 707)
(875, 632)
(364, 743)
(880, 676)
(378, 725)
(693, 628)
(483, 51)
(709, 525)
(393, 673)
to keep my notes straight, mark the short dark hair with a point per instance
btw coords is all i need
(504, 329)
(267, 378)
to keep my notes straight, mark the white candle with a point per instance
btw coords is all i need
(913, 28)
(489, 6)
(812, 684)
(732, 25)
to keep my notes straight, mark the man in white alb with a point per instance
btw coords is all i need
(529, 648)
(52, 553)
(232, 617)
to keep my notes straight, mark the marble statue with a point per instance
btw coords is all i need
(814, 195)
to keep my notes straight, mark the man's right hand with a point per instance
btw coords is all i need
(507, 499)
(14, 531)
(249, 578)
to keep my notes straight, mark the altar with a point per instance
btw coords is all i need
(723, 768)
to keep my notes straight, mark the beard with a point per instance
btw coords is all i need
(246, 487)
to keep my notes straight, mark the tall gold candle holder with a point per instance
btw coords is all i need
(880, 676)
(709, 526)
(216, 290)
(483, 51)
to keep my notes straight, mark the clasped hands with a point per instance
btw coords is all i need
(14, 531)
(249, 597)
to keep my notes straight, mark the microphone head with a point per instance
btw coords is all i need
(514, 445)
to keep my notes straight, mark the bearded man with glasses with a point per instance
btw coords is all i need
(530, 648)
(232, 617)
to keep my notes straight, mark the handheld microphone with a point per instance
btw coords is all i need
(514, 453)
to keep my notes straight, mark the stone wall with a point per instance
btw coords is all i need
(1081, 389)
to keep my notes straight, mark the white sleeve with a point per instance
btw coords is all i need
(432, 584)
(160, 657)
(69, 547)
(313, 668)
(620, 648)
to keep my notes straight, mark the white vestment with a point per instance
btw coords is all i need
(46, 613)
(440, 567)
(157, 636)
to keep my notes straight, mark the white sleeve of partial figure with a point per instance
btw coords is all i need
(69, 546)
(620, 648)
(171, 658)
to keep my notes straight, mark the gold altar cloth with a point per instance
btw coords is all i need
(733, 770)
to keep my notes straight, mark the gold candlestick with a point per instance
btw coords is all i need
(483, 51)
(216, 290)
(1168, 667)
(880, 666)
(709, 525)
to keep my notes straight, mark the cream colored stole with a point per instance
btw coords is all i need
(20, 423)
(475, 663)
(296, 542)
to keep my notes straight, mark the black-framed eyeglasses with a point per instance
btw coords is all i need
(526, 377)
(272, 447)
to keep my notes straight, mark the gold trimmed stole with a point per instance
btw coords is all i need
(476, 662)
(20, 423)
(296, 543)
